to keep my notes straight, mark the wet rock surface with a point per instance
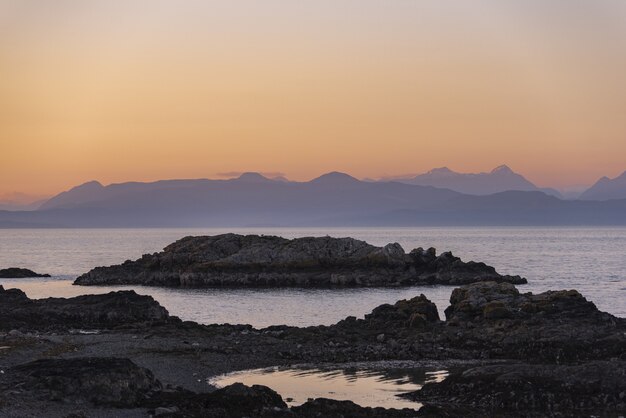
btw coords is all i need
(515, 354)
(593, 388)
(111, 310)
(99, 381)
(19, 273)
(253, 260)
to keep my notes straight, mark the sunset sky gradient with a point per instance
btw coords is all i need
(145, 90)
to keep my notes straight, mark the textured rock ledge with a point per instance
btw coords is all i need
(111, 310)
(510, 354)
(19, 273)
(253, 260)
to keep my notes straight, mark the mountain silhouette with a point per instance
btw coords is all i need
(333, 199)
(606, 189)
(500, 179)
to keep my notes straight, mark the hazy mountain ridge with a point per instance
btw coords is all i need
(21, 201)
(500, 179)
(606, 188)
(333, 199)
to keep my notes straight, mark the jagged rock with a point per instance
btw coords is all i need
(253, 260)
(491, 300)
(245, 398)
(595, 388)
(554, 326)
(236, 400)
(557, 333)
(330, 408)
(109, 310)
(416, 312)
(19, 273)
(98, 380)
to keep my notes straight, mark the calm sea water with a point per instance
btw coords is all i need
(591, 260)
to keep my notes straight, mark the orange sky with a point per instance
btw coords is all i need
(145, 90)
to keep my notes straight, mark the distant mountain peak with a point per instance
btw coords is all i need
(607, 188)
(252, 176)
(92, 183)
(334, 177)
(502, 169)
(80, 193)
(500, 179)
(441, 170)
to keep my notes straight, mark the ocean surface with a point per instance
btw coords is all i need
(591, 260)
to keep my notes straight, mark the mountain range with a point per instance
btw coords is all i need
(500, 179)
(333, 199)
(606, 189)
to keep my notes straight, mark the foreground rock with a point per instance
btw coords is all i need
(252, 260)
(121, 384)
(595, 388)
(100, 381)
(111, 310)
(553, 326)
(508, 353)
(19, 273)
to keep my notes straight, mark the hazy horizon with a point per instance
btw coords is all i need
(21, 198)
(146, 90)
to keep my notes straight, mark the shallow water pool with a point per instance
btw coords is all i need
(373, 385)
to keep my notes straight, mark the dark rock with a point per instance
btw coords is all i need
(595, 388)
(109, 310)
(330, 408)
(416, 312)
(19, 273)
(99, 381)
(554, 326)
(245, 398)
(236, 400)
(485, 321)
(252, 260)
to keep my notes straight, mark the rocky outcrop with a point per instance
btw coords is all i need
(509, 354)
(253, 260)
(591, 389)
(19, 273)
(554, 326)
(100, 381)
(120, 383)
(487, 320)
(330, 408)
(111, 310)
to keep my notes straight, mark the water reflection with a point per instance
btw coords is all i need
(366, 386)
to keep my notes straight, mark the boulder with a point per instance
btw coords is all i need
(416, 313)
(491, 300)
(96, 380)
(554, 326)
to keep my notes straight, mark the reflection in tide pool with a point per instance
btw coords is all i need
(365, 386)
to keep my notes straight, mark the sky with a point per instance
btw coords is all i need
(145, 90)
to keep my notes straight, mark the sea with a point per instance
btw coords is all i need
(589, 259)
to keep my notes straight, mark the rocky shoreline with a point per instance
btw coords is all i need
(122, 354)
(270, 261)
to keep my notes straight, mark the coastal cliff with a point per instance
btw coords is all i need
(270, 261)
